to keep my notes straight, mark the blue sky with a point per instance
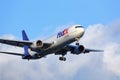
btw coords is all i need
(35, 16)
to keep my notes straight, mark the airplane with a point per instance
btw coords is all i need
(59, 44)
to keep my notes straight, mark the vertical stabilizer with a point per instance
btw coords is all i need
(24, 35)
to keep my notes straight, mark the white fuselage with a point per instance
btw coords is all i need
(61, 39)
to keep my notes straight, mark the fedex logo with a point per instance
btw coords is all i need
(64, 32)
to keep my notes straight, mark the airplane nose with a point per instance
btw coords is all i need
(82, 31)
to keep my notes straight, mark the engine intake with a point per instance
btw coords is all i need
(81, 48)
(78, 49)
(39, 43)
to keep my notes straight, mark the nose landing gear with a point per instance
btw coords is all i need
(77, 41)
(77, 44)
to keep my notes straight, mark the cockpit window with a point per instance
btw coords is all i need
(78, 26)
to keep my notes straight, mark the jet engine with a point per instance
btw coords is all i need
(78, 49)
(37, 44)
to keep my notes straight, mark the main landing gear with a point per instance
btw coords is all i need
(62, 58)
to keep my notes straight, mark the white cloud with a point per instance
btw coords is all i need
(112, 58)
(94, 66)
(108, 38)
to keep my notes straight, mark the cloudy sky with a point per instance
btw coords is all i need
(40, 19)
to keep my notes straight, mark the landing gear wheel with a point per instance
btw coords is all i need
(62, 58)
(77, 44)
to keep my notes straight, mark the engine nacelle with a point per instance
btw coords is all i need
(78, 49)
(37, 44)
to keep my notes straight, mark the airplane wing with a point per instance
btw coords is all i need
(92, 50)
(71, 48)
(17, 54)
(46, 45)
(15, 42)
(23, 43)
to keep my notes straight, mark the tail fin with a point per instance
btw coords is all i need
(26, 39)
(24, 36)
